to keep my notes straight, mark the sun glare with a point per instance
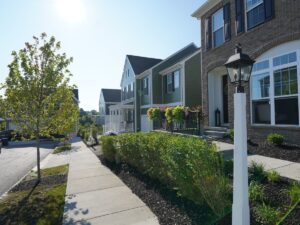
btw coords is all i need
(72, 11)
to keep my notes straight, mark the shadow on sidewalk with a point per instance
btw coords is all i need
(71, 208)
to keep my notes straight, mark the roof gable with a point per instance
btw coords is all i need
(111, 95)
(139, 64)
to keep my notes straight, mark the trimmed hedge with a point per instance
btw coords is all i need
(189, 165)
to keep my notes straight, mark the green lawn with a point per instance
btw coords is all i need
(55, 170)
(42, 205)
(62, 148)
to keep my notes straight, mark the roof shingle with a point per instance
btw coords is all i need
(140, 64)
(111, 95)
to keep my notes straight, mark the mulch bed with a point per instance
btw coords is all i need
(169, 208)
(290, 220)
(285, 152)
(48, 180)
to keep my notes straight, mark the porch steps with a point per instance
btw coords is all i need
(216, 132)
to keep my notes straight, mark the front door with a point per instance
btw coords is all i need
(225, 98)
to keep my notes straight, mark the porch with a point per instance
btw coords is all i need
(120, 119)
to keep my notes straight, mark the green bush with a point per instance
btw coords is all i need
(257, 172)
(231, 134)
(294, 193)
(266, 215)
(190, 165)
(108, 148)
(275, 139)
(255, 192)
(273, 176)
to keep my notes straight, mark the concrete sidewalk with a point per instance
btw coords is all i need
(285, 168)
(96, 196)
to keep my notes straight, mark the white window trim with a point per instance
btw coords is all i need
(272, 96)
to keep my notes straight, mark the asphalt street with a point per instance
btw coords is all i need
(17, 161)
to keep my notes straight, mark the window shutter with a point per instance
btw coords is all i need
(269, 9)
(165, 83)
(173, 82)
(147, 88)
(208, 33)
(227, 27)
(239, 16)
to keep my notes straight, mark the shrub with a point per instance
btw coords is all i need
(192, 166)
(273, 176)
(294, 193)
(266, 215)
(228, 167)
(257, 172)
(231, 134)
(275, 139)
(108, 147)
(178, 114)
(255, 192)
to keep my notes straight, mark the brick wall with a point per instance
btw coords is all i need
(283, 28)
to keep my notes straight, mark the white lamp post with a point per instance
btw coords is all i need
(239, 68)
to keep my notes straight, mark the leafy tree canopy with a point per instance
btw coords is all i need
(38, 96)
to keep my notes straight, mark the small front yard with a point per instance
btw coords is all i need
(285, 151)
(184, 181)
(29, 203)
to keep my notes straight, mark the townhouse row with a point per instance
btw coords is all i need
(268, 31)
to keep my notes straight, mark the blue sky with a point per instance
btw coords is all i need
(98, 34)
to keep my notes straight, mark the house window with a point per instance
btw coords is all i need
(255, 12)
(145, 86)
(125, 93)
(286, 96)
(260, 89)
(274, 91)
(285, 59)
(176, 79)
(218, 28)
(285, 81)
(258, 11)
(261, 86)
(261, 66)
(170, 86)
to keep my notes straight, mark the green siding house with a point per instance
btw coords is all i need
(174, 81)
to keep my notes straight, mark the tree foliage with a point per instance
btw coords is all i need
(38, 96)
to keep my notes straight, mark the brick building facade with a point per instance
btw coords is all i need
(269, 32)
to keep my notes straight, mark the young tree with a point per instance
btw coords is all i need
(38, 96)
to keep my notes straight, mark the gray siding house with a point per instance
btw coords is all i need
(123, 114)
(108, 97)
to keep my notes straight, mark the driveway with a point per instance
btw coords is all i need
(17, 161)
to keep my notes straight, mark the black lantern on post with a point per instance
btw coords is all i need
(239, 67)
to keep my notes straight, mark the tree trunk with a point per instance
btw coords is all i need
(38, 158)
